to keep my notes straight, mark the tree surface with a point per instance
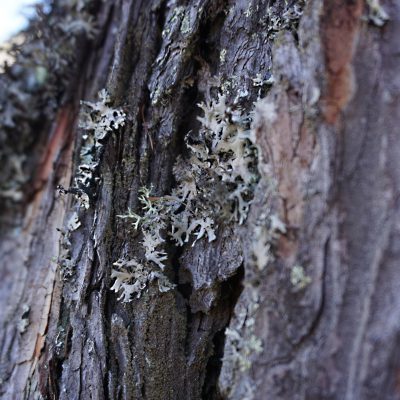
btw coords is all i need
(296, 297)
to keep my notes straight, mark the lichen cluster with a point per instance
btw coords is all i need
(64, 260)
(283, 15)
(242, 343)
(97, 120)
(377, 14)
(298, 278)
(215, 185)
(242, 348)
(131, 278)
(222, 169)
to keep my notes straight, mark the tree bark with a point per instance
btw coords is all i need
(299, 302)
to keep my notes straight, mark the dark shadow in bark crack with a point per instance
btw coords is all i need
(230, 293)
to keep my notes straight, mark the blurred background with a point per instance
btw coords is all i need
(14, 17)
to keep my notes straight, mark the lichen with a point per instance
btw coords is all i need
(267, 230)
(298, 278)
(64, 259)
(282, 16)
(222, 56)
(241, 346)
(248, 11)
(244, 344)
(96, 121)
(215, 182)
(73, 222)
(23, 323)
(377, 14)
(186, 24)
(260, 81)
(132, 278)
(215, 185)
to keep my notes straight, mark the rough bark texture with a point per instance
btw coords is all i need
(329, 151)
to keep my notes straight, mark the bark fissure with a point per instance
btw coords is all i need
(231, 290)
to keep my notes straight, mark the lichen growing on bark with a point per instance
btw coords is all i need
(214, 184)
(132, 278)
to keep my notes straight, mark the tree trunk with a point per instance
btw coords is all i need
(300, 301)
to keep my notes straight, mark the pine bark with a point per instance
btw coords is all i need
(327, 134)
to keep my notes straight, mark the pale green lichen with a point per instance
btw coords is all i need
(277, 19)
(64, 259)
(377, 14)
(260, 81)
(173, 21)
(215, 185)
(222, 56)
(96, 121)
(132, 278)
(185, 25)
(267, 230)
(23, 323)
(217, 180)
(242, 345)
(242, 348)
(298, 278)
(73, 222)
(99, 118)
(151, 223)
(230, 85)
(248, 11)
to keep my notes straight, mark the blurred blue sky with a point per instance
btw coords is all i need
(13, 16)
